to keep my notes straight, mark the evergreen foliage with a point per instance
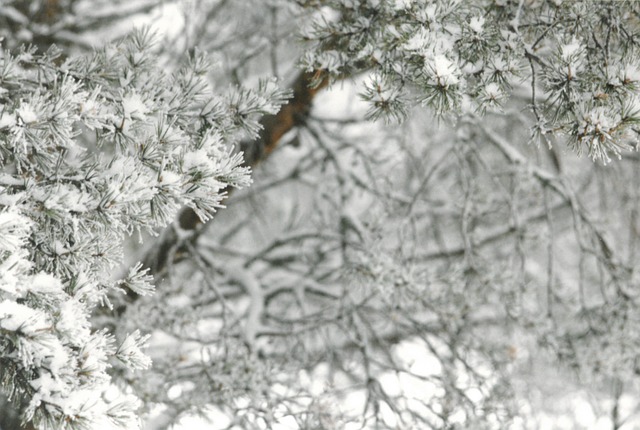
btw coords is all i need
(93, 148)
(413, 266)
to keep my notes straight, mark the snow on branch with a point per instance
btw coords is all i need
(458, 57)
(91, 149)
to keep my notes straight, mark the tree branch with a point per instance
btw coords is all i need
(188, 226)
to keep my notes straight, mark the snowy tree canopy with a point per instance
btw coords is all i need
(404, 257)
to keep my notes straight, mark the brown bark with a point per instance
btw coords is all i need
(291, 115)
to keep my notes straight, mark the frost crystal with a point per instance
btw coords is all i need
(133, 106)
(443, 71)
(570, 50)
(27, 113)
(477, 24)
(403, 4)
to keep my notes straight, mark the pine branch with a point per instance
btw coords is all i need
(188, 226)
